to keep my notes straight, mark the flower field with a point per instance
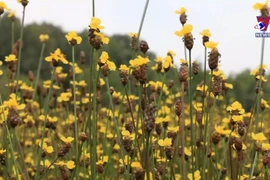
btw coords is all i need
(76, 125)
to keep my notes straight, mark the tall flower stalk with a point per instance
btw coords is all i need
(43, 38)
(73, 40)
(24, 3)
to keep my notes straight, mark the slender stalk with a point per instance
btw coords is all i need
(12, 34)
(20, 50)
(94, 122)
(190, 112)
(142, 20)
(206, 123)
(258, 105)
(75, 109)
(216, 159)
(46, 111)
(93, 8)
(181, 122)
(115, 121)
(133, 120)
(39, 67)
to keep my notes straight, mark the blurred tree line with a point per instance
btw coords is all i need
(119, 50)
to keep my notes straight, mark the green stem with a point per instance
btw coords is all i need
(94, 123)
(39, 67)
(46, 111)
(181, 122)
(133, 121)
(216, 160)
(115, 121)
(258, 104)
(142, 21)
(93, 8)
(20, 51)
(75, 110)
(190, 112)
(12, 34)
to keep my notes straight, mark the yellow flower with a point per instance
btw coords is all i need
(197, 175)
(56, 56)
(258, 137)
(136, 164)
(265, 146)
(236, 106)
(202, 88)
(64, 97)
(167, 62)
(103, 38)
(60, 163)
(206, 32)
(264, 104)
(47, 149)
(12, 103)
(237, 118)
(111, 65)
(104, 57)
(126, 134)
(77, 69)
(11, 14)
(165, 142)
(171, 53)
(3, 6)
(2, 151)
(220, 130)
(73, 38)
(173, 129)
(139, 61)
(43, 37)
(131, 34)
(185, 30)
(67, 140)
(228, 85)
(181, 10)
(260, 6)
(183, 61)
(46, 164)
(123, 68)
(10, 58)
(211, 44)
(70, 164)
(258, 77)
(187, 151)
(95, 23)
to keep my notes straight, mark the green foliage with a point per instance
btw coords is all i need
(119, 50)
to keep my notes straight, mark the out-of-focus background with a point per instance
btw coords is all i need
(230, 22)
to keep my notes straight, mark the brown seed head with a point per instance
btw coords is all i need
(189, 41)
(195, 68)
(124, 77)
(1, 11)
(82, 57)
(183, 18)
(31, 76)
(144, 47)
(205, 39)
(83, 136)
(213, 59)
(24, 2)
(169, 152)
(178, 107)
(216, 137)
(238, 144)
(183, 73)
